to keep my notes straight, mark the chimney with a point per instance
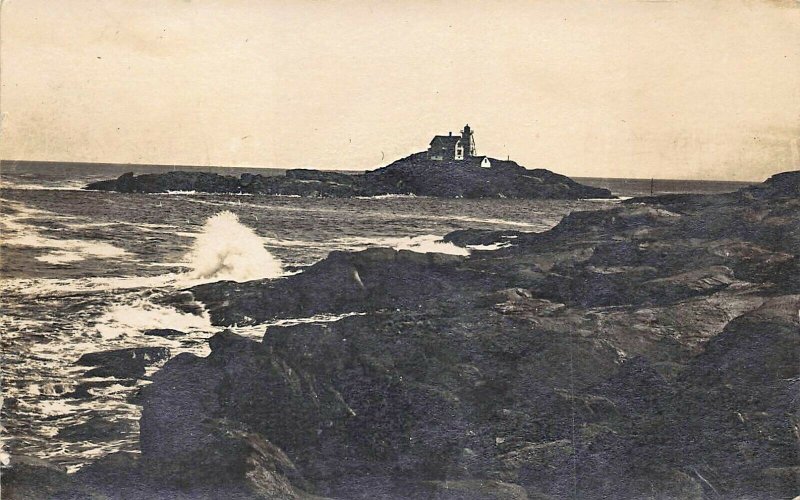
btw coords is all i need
(451, 134)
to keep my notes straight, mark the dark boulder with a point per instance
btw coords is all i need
(123, 363)
(187, 439)
(466, 237)
(164, 332)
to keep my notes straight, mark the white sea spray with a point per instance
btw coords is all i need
(226, 249)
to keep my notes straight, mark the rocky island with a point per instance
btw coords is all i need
(445, 170)
(649, 350)
(414, 175)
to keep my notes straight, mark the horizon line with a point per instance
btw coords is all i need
(195, 166)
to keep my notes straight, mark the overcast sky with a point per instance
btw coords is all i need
(666, 89)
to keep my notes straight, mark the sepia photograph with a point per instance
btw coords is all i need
(406, 249)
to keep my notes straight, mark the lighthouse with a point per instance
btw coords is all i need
(467, 141)
(450, 147)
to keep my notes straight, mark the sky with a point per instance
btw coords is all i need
(695, 89)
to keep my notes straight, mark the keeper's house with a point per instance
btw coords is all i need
(450, 147)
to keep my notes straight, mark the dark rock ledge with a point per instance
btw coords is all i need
(412, 175)
(647, 351)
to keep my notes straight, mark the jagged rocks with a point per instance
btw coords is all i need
(646, 351)
(739, 400)
(382, 394)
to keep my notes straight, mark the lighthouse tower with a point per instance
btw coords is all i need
(467, 141)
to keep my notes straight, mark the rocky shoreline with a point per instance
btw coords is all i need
(413, 175)
(650, 350)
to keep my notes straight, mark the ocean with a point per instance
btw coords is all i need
(83, 272)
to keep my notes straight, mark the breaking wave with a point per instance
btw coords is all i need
(226, 249)
(427, 243)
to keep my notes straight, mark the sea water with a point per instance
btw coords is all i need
(82, 271)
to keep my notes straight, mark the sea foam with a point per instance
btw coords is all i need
(226, 249)
(143, 315)
(59, 251)
(425, 243)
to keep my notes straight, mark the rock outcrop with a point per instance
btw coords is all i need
(372, 279)
(414, 175)
(651, 350)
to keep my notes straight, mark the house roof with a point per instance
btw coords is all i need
(445, 140)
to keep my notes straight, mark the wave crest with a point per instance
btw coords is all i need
(226, 249)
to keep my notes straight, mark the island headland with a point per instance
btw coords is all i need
(649, 350)
(450, 168)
